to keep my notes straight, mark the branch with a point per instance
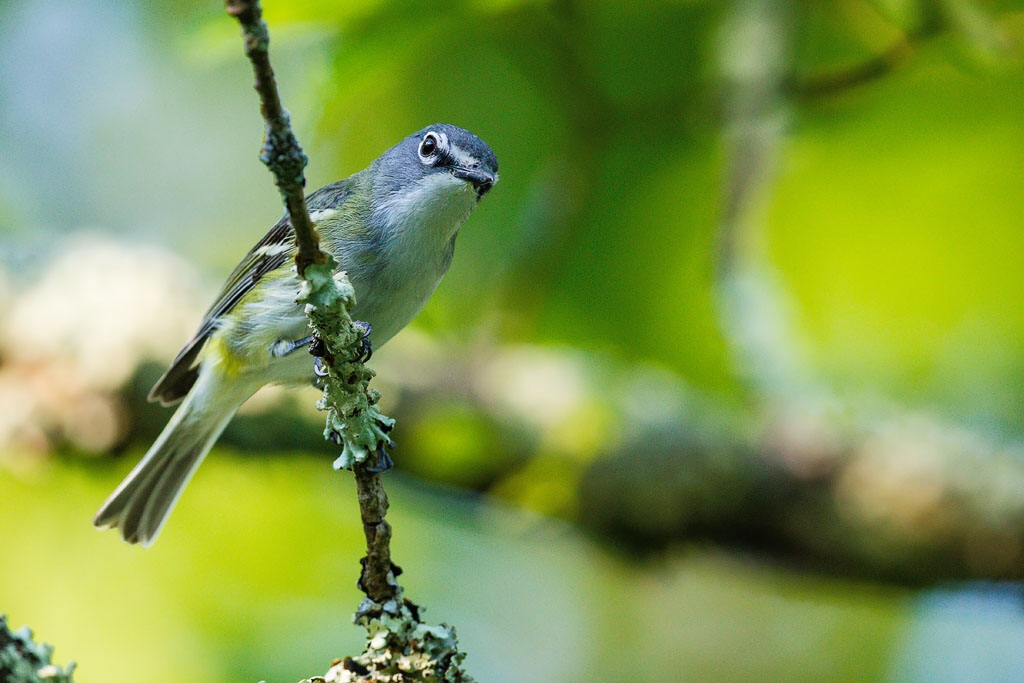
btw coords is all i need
(281, 150)
(905, 499)
(399, 645)
(353, 420)
(987, 43)
(753, 307)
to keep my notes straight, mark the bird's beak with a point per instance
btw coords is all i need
(482, 180)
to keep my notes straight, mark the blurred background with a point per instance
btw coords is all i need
(726, 381)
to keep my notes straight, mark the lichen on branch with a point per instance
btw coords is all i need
(399, 646)
(354, 421)
(22, 660)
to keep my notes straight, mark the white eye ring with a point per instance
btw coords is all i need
(431, 147)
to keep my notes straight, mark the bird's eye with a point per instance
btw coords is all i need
(428, 148)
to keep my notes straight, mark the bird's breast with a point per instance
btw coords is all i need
(415, 240)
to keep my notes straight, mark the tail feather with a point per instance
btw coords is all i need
(140, 505)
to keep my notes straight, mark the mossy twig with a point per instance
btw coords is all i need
(399, 646)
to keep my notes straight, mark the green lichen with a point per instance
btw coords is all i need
(22, 660)
(400, 648)
(353, 419)
(282, 154)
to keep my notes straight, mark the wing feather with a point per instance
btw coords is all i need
(270, 253)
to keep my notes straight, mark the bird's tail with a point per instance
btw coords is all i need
(140, 505)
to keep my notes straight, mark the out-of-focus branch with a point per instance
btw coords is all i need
(752, 304)
(835, 82)
(985, 40)
(858, 490)
(398, 644)
(906, 500)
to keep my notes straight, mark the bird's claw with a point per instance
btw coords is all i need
(366, 346)
(384, 461)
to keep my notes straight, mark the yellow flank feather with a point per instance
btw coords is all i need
(230, 364)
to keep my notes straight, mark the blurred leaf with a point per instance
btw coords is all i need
(895, 227)
(454, 444)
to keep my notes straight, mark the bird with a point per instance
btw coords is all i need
(391, 228)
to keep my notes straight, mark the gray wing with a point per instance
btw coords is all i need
(261, 259)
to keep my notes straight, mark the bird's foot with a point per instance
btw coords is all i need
(365, 346)
(285, 347)
(384, 461)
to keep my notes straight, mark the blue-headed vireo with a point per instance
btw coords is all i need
(392, 229)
